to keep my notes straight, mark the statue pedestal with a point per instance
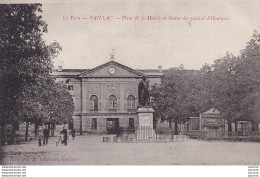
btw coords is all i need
(145, 129)
(145, 116)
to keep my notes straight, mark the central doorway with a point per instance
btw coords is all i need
(112, 125)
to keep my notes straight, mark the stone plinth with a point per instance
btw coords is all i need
(145, 116)
(145, 130)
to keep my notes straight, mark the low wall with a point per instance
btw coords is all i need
(196, 134)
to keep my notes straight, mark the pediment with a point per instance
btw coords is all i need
(111, 69)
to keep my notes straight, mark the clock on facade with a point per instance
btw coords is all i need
(112, 70)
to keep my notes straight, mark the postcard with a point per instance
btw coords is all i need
(130, 83)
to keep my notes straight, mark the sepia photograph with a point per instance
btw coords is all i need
(130, 83)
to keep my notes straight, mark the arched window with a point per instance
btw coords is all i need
(112, 101)
(94, 102)
(131, 102)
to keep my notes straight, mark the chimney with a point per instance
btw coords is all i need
(160, 68)
(59, 68)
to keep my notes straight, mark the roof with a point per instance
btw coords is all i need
(111, 63)
(151, 72)
(70, 70)
(66, 72)
(212, 111)
(147, 72)
(82, 72)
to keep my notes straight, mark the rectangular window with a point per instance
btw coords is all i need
(94, 123)
(70, 87)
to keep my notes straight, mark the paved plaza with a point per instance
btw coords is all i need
(90, 150)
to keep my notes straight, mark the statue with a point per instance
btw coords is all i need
(143, 92)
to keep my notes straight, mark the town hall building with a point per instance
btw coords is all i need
(105, 97)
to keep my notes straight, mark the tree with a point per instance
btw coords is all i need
(26, 63)
(174, 99)
(248, 69)
(52, 104)
(231, 85)
(60, 104)
(236, 83)
(225, 88)
(228, 88)
(22, 57)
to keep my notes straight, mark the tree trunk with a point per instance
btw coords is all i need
(3, 139)
(26, 131)
(229, 126)
(80, 128)
(52, 129)
(176, 132)
(154, 124)
(170, 123)
(255, 127)
(4, 132)
(49, 127)
(13, 134)
(36, 128)
(1, 136)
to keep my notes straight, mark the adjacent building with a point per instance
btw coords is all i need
(209, 122)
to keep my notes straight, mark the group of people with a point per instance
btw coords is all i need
(64, 134)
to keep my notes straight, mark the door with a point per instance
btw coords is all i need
(112, 125)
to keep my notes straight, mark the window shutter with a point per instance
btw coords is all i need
(90, 105)
(107, 104)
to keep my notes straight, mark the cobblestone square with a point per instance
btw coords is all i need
(90, 150)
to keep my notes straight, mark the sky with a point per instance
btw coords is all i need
(192, 40)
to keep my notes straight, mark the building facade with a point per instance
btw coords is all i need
(105, 97)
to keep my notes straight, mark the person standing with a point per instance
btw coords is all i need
(46, 133)
(73, 132)
(40, 135)
(65, 135)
